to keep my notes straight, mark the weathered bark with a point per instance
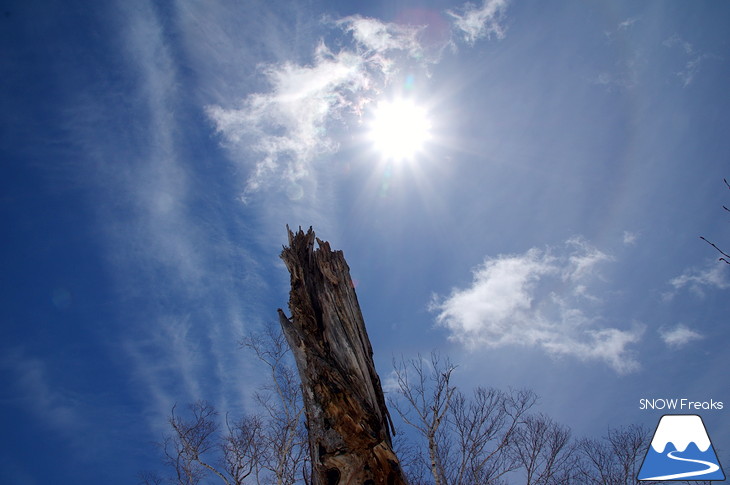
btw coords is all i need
(348, 422)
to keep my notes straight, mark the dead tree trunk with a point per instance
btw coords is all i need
(348, 422)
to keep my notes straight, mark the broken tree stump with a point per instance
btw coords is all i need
(348, 422)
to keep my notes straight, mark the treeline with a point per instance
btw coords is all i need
(486, 437)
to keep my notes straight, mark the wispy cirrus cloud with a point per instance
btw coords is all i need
(693, 62)
(622, 27)
(474, 23)
(699, 280)
(178, 306)
(380, 37)
(168, 357)
(289, 125)
(541, 299)
(630, 238)
(628, 23)
(679, 336)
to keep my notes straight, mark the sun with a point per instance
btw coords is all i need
(399, 129)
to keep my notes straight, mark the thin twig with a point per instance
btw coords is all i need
(720, 250)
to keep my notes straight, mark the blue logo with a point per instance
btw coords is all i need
(681, 450)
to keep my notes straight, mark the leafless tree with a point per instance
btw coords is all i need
(544, 451)
(425, 392)
(615, 459)
(187, 448)
(242, 447)
(284, 439)
(482, 430)
(413, 458)
(150, 478)
(265, 448)
(487, 437)
(467, 439)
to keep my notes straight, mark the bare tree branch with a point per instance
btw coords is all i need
(719, 250)
(544, 451)
(191, 440)
(726, 256)
(427, 394)
(284, 443)
(149, 478)
(615, 459)
(270, 447)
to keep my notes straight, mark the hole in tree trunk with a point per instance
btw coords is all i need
(332, 475)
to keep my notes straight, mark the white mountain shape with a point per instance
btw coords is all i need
(681, 430)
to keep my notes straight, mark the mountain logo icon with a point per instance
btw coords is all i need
(681, 450)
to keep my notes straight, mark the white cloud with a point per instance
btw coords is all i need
(290, 122)
(691, 68)
(582, 260)
(475, 23)
(380, 37)
(621, 28)
(693, 62)
(289, 125)
(697, 280)
(538, 299)
(630, 238)
(679, 336)
(502, 289)
(677, 41)
(626, 24)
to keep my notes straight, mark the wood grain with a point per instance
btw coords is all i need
(348, 421)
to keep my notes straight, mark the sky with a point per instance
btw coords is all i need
(520, 185)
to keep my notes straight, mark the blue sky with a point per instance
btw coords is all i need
(543, 229)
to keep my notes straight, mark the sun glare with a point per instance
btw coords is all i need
(399, 129)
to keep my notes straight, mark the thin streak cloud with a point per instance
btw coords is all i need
(175, 267)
